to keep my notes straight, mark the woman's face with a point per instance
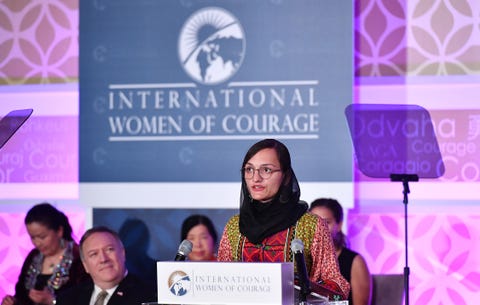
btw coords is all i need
(264, 189)
(203, 244)
(46, 240)
(327, 214)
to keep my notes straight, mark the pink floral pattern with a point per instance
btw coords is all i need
(434, 37)
(40, 44)
(443, 250)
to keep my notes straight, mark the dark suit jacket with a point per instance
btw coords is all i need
(130, 291)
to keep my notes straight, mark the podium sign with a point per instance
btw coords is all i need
(226, 283)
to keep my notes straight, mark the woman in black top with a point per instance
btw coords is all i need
(53, 265)
(352, 265)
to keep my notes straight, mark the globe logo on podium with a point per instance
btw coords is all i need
(211, 46)
(179, 283)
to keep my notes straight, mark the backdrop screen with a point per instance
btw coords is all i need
(178, 91)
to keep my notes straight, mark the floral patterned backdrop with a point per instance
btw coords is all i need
(407, 38)
(38, 41)
(443, 250)
(39, 45)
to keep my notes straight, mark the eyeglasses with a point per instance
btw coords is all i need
(263, 171)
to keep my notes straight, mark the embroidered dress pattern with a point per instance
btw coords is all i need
(60, 273)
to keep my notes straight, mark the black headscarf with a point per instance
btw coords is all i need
(259, 220)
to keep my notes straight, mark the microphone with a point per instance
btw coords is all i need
(183, 250)
(297, 249)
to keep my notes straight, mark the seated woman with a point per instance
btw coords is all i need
(352, 265)
(200, 231)
(271, 216)
(53, 265)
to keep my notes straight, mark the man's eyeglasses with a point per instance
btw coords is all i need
(263, 171)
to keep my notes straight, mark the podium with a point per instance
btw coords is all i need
(232, 283)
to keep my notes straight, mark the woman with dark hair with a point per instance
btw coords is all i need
(352, 265)
(200, 230)
(53, 265)
(272, 215)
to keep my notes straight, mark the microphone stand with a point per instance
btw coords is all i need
(302, 275)
(405, 178)
(303, 295)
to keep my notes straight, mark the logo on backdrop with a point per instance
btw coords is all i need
(211, 49)
(179, 283)
(211, 46)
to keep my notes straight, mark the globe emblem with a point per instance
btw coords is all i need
(179, 283)
(211, 46)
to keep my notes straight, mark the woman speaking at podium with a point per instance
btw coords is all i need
(272, 215)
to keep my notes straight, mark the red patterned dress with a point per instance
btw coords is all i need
(322, 264)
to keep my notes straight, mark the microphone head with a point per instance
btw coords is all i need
(296, 246)
(185, 247)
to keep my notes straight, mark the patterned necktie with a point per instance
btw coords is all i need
(101, 298)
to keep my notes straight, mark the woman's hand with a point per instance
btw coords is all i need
(8, 300)
(40, 296)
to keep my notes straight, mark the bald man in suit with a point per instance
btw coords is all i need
(103, 257)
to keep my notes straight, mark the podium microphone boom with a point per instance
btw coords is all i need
(297, 249)
(183, 250)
